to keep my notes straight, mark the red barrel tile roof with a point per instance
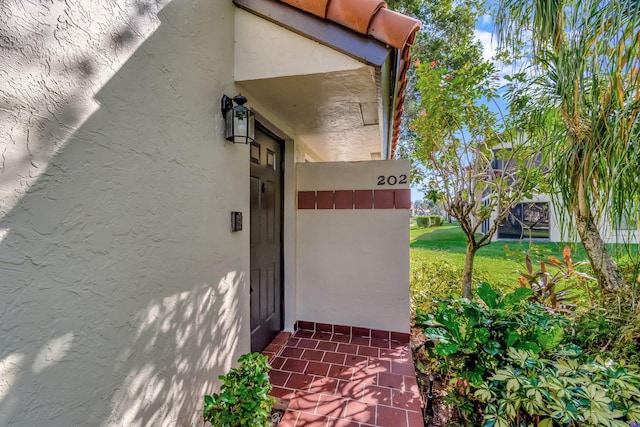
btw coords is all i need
(372, 18)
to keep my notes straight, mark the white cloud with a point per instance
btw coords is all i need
(489, 53)
(488, 44)
(486, 20)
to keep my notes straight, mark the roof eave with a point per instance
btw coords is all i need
(363, 48)
(375, 45)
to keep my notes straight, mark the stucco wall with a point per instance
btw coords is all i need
(353, 264)
(123, 292)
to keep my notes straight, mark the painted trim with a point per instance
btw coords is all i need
(392, 108)
(354, 199)
(343, 39)
(352, 330)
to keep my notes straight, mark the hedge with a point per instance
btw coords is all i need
(429, 221)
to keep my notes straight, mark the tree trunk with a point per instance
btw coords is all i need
(467, 277)
(604, 268)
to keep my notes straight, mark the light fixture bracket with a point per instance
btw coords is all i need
(226, 104)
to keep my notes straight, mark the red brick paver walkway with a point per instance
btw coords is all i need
(337, 376)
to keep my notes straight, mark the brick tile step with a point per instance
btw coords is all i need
(343, 376)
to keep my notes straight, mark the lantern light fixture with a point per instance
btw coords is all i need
(239, 120)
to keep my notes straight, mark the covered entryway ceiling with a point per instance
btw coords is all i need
(332, 72)
(328, 100)
(335, 114)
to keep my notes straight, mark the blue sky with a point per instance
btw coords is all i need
(483, 32)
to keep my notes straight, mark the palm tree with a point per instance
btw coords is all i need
(583, 87)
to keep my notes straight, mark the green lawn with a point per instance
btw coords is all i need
(438, 258)
(493, 263)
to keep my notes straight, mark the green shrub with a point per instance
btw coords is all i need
(556, 282)
(244, 397)
(630, 270)
(437, 278)
(529, 390)
(429, 221)
(610, 325)
(432, 281)
(507, 362)
(422, 221)
(608, 329)
(471, 338)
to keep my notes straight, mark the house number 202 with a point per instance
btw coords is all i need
(392, 179)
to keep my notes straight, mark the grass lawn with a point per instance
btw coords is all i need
(438, 258)
(492, 263)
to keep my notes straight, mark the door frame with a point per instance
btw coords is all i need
(281, 142)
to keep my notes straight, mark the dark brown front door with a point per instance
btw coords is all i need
(266, 242)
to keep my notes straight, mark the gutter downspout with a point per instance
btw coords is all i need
(390, 99)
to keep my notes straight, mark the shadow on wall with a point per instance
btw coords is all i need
(121, 298)
(131, 368)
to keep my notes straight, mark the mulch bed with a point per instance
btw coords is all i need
(279, 408)
(442, 414)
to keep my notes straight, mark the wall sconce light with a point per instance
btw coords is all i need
(239, 120)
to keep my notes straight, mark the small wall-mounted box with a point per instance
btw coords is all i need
(236, 221)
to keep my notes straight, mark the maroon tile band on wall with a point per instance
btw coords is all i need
(364, 199)
(343, 199)
(383, 199)
(355, 199)
(324, 200)
(352, 330)
(306, 199)
(403, 199)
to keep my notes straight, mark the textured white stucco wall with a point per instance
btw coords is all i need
(353, 265)
(123, 294)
